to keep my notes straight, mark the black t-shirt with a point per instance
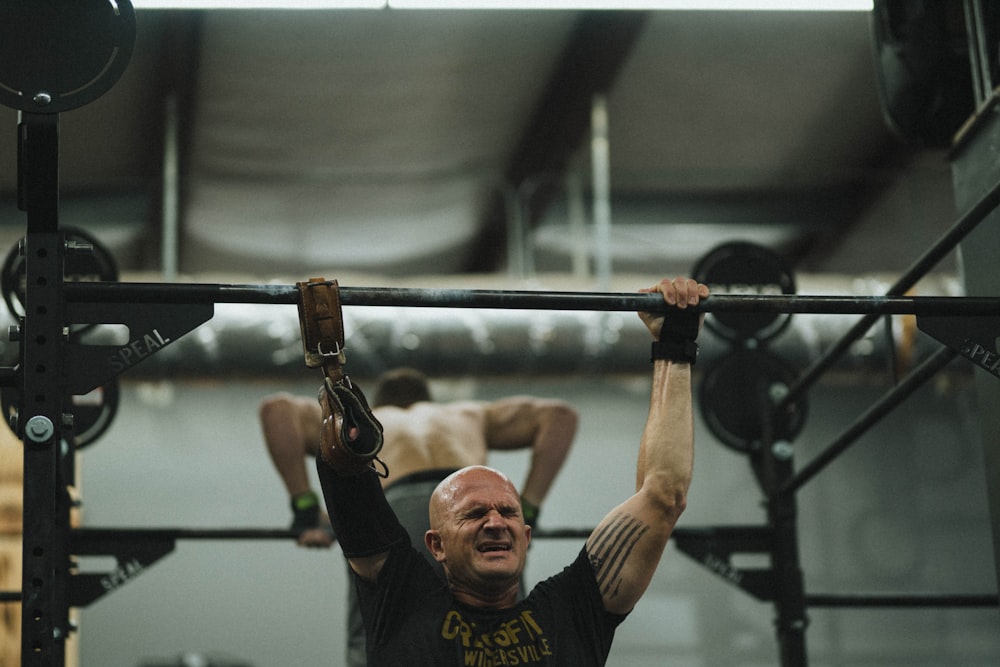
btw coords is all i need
(412, 619)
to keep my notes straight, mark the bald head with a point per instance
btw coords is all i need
(460, 483)
(479, 536)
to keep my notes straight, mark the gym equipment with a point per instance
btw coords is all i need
(62, 55)
(923, 81)
(91, 414)
(735, 396)
(740, 267)
(87, 260)
(415, 297)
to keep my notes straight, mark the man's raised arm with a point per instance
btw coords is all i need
(627, 544)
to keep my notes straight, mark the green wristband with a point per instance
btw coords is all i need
(305, 501)
(305, 511)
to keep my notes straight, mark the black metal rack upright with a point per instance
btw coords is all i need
(46, 510)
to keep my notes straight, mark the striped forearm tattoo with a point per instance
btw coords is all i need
(610, 547)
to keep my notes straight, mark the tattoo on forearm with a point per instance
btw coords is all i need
(609, 549)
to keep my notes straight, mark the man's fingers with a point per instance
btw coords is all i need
(667, 289)
(315, 538)
(680, 292)
(687, 290)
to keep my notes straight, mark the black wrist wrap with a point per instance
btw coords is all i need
(677, 337)
(359, 513)
(305, 512)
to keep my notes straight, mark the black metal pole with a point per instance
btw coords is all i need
(944, 245)
(911, 600)
(45, 620)
(789, 598)
(80, 535)
(773, 466)
(82, 292)
(883, 407)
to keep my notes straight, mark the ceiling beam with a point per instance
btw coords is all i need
(599, 45)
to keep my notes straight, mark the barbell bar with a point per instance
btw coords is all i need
(84, 292)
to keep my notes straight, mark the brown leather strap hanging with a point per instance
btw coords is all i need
(351, 436)
(322, 323)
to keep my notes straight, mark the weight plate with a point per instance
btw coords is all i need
(735, 398)
(78, 266)
(92, 412)
(741, 267)
(60, 55)
(924, 82)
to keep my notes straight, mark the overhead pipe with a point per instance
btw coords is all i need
(601, 158)
(169, 215)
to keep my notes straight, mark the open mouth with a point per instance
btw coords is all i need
(488, 547)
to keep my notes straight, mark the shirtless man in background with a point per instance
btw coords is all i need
(424, 443)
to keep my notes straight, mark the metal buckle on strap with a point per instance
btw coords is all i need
(337, 351)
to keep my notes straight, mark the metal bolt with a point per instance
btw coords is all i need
(79, 247)
(39, 429)
(42, 98)
(782, 450)
(777, 391)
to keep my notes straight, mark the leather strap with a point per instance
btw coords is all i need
(351, 436)
(322, 324)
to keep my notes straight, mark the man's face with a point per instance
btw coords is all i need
(481, 538)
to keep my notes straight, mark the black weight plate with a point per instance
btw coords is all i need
(97, 265)
(93, 413)
(12, 280)
(734, 399)
(740, 267)
(60, 55)
(10, 397)
(924, 83)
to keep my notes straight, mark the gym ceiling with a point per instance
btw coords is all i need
(280, 143)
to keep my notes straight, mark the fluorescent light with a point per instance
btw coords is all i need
(694, 5)
(689, 5)
(259, 4)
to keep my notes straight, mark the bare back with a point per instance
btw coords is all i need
(426, 436)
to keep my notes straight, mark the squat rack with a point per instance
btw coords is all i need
(52, 367)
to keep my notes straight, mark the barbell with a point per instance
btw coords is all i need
(531, 300)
